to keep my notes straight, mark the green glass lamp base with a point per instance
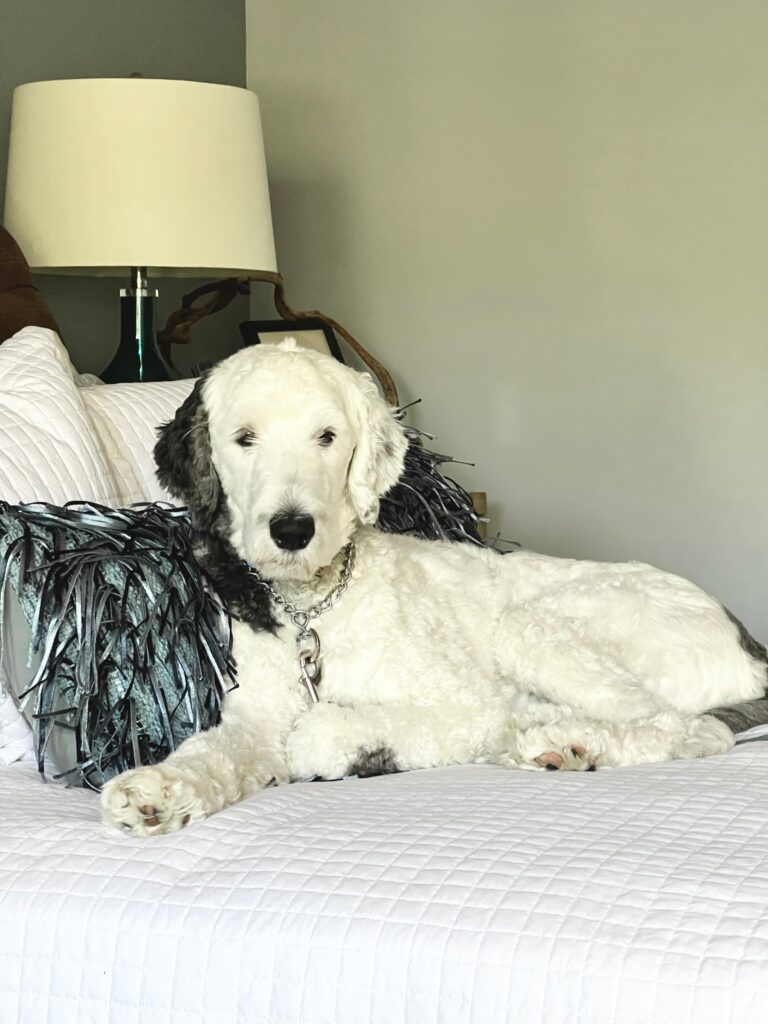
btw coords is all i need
(138, 356)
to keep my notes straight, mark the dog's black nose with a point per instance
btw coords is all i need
(291, 532)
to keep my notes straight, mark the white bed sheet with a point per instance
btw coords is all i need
(468, 894)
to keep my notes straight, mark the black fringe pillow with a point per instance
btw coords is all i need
(128, 650)
(425, 502)
(125, 650)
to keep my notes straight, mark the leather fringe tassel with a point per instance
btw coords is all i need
(424, 501)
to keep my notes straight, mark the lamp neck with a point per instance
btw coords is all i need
(139, 284)
(139, 281)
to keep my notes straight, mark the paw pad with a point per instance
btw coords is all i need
(149, 814)
(552, 761)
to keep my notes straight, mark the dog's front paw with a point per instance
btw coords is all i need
(151, 800)
(322, 744)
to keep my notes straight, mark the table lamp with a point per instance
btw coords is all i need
(137, 178)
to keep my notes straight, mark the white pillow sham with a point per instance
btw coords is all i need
(49, 451)
(64, 437)
(126, 417)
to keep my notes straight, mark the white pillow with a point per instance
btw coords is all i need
(125, 418)
(63, 437)
(49, 450)
(17, 741)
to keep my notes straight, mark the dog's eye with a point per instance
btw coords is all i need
(245, 438)
(327, 437)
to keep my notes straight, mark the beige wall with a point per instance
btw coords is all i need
(550, 221)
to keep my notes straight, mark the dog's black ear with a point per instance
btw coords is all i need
(183, 458)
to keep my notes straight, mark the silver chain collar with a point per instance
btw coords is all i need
(307, 640)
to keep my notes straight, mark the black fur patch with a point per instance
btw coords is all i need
(240, 593)
(374, 762)
(740, 717)
(751, 646)
(185, 468)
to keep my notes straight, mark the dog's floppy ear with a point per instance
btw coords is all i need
(377, 461)
(183, 458)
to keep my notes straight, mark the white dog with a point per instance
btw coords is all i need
(432, 653)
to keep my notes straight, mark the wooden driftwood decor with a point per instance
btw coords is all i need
(221, 293)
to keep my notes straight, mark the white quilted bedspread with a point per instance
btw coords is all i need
(470, 895)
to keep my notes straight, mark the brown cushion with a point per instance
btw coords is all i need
(21, 304)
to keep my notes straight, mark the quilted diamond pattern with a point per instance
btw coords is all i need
(457, 896)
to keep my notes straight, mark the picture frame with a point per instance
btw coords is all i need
(311, 332)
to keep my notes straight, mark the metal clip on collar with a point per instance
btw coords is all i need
(309, 660)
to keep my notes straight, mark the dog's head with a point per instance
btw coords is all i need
(295, 448)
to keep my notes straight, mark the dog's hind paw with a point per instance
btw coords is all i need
(570, 759)
(550, 747)
(150, 801)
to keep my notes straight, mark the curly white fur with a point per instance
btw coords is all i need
(437, 653)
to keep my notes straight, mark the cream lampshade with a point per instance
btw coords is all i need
(105, 174)
(134, 176)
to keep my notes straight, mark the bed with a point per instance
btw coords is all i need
(467, 895)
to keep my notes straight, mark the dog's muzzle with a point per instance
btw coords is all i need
(291, 532)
